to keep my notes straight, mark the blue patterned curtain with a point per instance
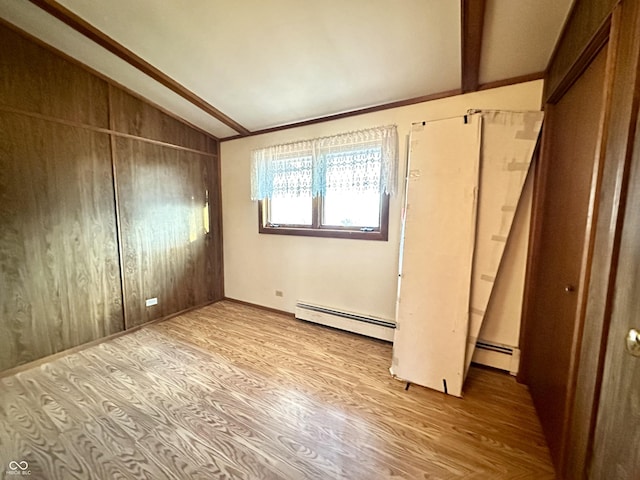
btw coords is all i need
(362, 161)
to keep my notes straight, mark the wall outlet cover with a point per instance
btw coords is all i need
(150, 302)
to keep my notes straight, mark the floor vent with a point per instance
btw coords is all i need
(351, 322)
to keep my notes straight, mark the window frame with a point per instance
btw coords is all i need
(316, 229)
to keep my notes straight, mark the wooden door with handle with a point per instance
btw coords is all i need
(617, 438)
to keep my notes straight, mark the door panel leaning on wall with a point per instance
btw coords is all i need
(438, 230)
(464, 183)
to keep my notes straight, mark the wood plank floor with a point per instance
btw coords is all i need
(229, 391)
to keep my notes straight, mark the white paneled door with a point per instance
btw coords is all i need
(438, 239)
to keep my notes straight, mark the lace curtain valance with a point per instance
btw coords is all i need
(361, 161)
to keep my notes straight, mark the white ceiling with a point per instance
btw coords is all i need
(519, 36)
(276, 62)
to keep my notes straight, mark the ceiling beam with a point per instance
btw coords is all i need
(472, 12)
(81, 26)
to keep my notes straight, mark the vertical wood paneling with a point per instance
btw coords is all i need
(215, 239)
(135, 117)
(35, 80)
(59, 275)
(59, 266)
(162, 194)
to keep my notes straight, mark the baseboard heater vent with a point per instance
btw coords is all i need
(496, 355)
(351, 322)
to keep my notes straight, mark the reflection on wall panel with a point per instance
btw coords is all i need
(33, 79)
(163, 196)
(59, 274)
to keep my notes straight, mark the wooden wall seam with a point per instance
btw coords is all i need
(114, 173)
(109, 131)
(217, 185)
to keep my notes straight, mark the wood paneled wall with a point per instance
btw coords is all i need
(133, 116)
(105, 201)
(163, 196)
(34, 80)
(59, 274)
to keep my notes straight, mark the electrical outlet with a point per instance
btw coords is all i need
(150, 302)
(279, 293)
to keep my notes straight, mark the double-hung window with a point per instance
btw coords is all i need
(335, 186)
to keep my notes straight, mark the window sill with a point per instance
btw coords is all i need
(326, 233)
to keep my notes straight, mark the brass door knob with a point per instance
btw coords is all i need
(569, 288)
(633, 342)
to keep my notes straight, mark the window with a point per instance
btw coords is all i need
(331, 187)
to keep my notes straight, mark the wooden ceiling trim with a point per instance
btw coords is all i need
(472, 27)
(81, 26)
(402, 103)
(352, 113)
(530, 77)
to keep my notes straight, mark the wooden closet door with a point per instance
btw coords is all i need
(617, 436)
(558, 283)
(616, 443)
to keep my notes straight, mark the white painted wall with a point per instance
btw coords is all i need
(354, 275)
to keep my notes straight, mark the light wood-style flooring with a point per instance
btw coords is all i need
(230, 391)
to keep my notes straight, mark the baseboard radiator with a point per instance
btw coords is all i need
(498, 356)
(351, 322)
